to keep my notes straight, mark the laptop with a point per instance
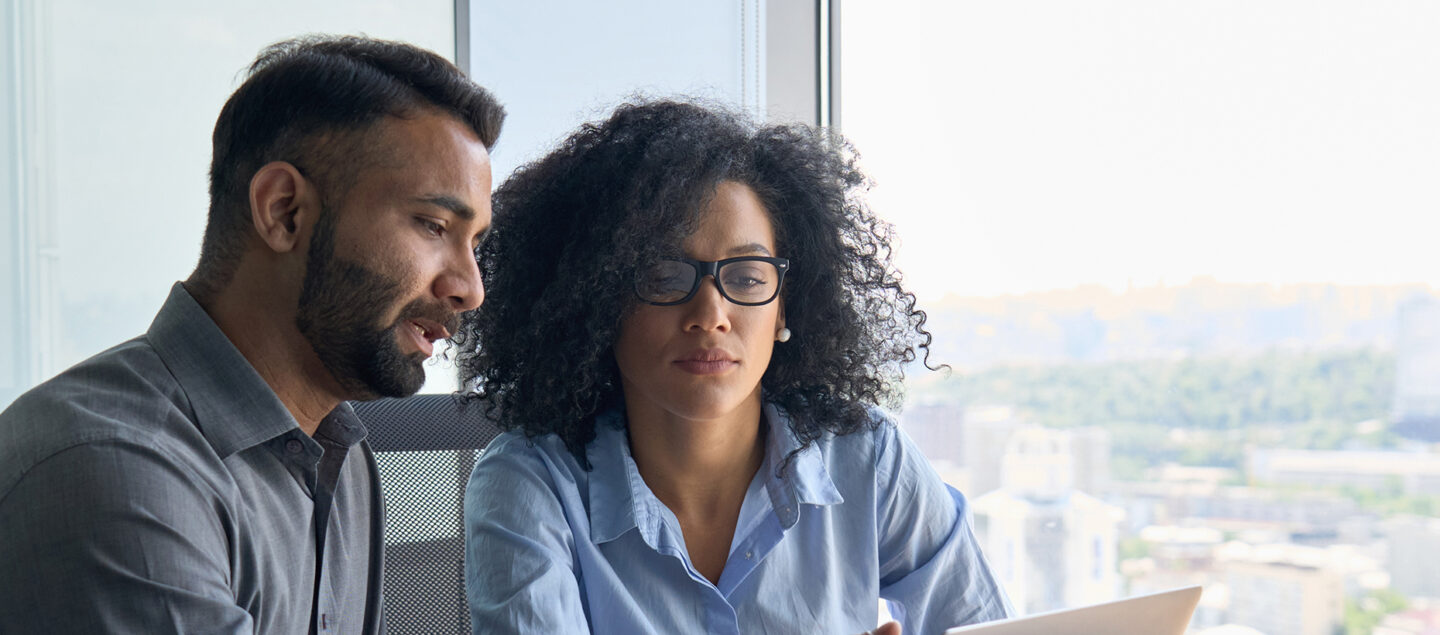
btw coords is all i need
(1164, 613)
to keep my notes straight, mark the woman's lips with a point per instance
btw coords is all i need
(706, 367)
(706, 361)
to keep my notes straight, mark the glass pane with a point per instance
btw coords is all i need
(665, 281)
(114, 112)
(553, 74)
(749, 280)
(1181, 258)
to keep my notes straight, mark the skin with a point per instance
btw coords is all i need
(413, 215)
(695, 436)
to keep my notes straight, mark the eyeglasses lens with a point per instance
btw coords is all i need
(745, 281)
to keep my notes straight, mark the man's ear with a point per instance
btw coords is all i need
(282, 201)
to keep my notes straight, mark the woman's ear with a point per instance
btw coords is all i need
(782, 333)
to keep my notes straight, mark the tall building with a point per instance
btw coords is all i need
(1090, 448)
(938, 430)
(987, 431)
(1414, 560)
(1285, 597)
(1417, 369)
(1051, 545)
(971, 441)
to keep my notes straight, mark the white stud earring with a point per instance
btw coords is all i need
(783, 335)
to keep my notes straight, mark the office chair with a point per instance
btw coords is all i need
(425, 446)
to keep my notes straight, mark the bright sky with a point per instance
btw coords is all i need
(1037, 144)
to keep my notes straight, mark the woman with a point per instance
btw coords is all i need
(691, 321)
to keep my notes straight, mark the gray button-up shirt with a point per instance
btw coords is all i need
(161, 487)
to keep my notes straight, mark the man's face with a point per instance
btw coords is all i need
(391, 265)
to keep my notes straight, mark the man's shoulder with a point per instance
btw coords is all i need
(124, 395)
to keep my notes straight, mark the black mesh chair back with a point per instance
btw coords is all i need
(425, 446)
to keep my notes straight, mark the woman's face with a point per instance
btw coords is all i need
(704, 359)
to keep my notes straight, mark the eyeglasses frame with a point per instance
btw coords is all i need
(712, 269)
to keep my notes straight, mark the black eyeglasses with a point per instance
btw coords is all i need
(747, 281)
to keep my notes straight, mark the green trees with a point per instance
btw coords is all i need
(1295, 399)
(1221, 393)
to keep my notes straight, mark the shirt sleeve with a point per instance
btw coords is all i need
(520, 574)
(112, 537)
(931, 569)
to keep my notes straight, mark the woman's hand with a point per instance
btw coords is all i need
(888, 628)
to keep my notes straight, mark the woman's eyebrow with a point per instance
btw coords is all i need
(749, 249)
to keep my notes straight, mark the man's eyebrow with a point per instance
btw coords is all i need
(749, 249)
(451, 203)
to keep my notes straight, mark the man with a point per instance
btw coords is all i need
(208, 476)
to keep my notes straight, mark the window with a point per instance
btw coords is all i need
(1192, 246)
(108, 109)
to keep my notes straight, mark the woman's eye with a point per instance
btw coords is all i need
(744, 278)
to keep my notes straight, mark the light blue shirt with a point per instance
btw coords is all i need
(552, 548)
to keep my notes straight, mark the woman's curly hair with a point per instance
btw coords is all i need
(571, 229)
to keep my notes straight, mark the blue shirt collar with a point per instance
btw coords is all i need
(620, 500)
(615, 483)
(805, 480)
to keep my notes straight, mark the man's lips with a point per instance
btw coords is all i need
(425, 332)
(710, 361)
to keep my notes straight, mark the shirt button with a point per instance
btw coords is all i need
(785, 510)
(294, 446)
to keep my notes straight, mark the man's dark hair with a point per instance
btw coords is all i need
(311, 101)
(572, 228)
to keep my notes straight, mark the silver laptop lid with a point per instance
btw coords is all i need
(1164, 613)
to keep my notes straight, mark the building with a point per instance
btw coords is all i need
(1410, 622)
(1417, 369)
(937, 429)
(1090, 448)
(973, 439)
(987, 431)
(1410, 473)
(1050, 545)
(1285, 597)
(1288, 589)
(1234, 507)
(1177, 548)
(1414, 559)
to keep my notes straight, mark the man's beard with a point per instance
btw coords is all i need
(342, 305)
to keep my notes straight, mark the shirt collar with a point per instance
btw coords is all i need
(805, 481)
(620, 500)
(615, 484)
(234, 408)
